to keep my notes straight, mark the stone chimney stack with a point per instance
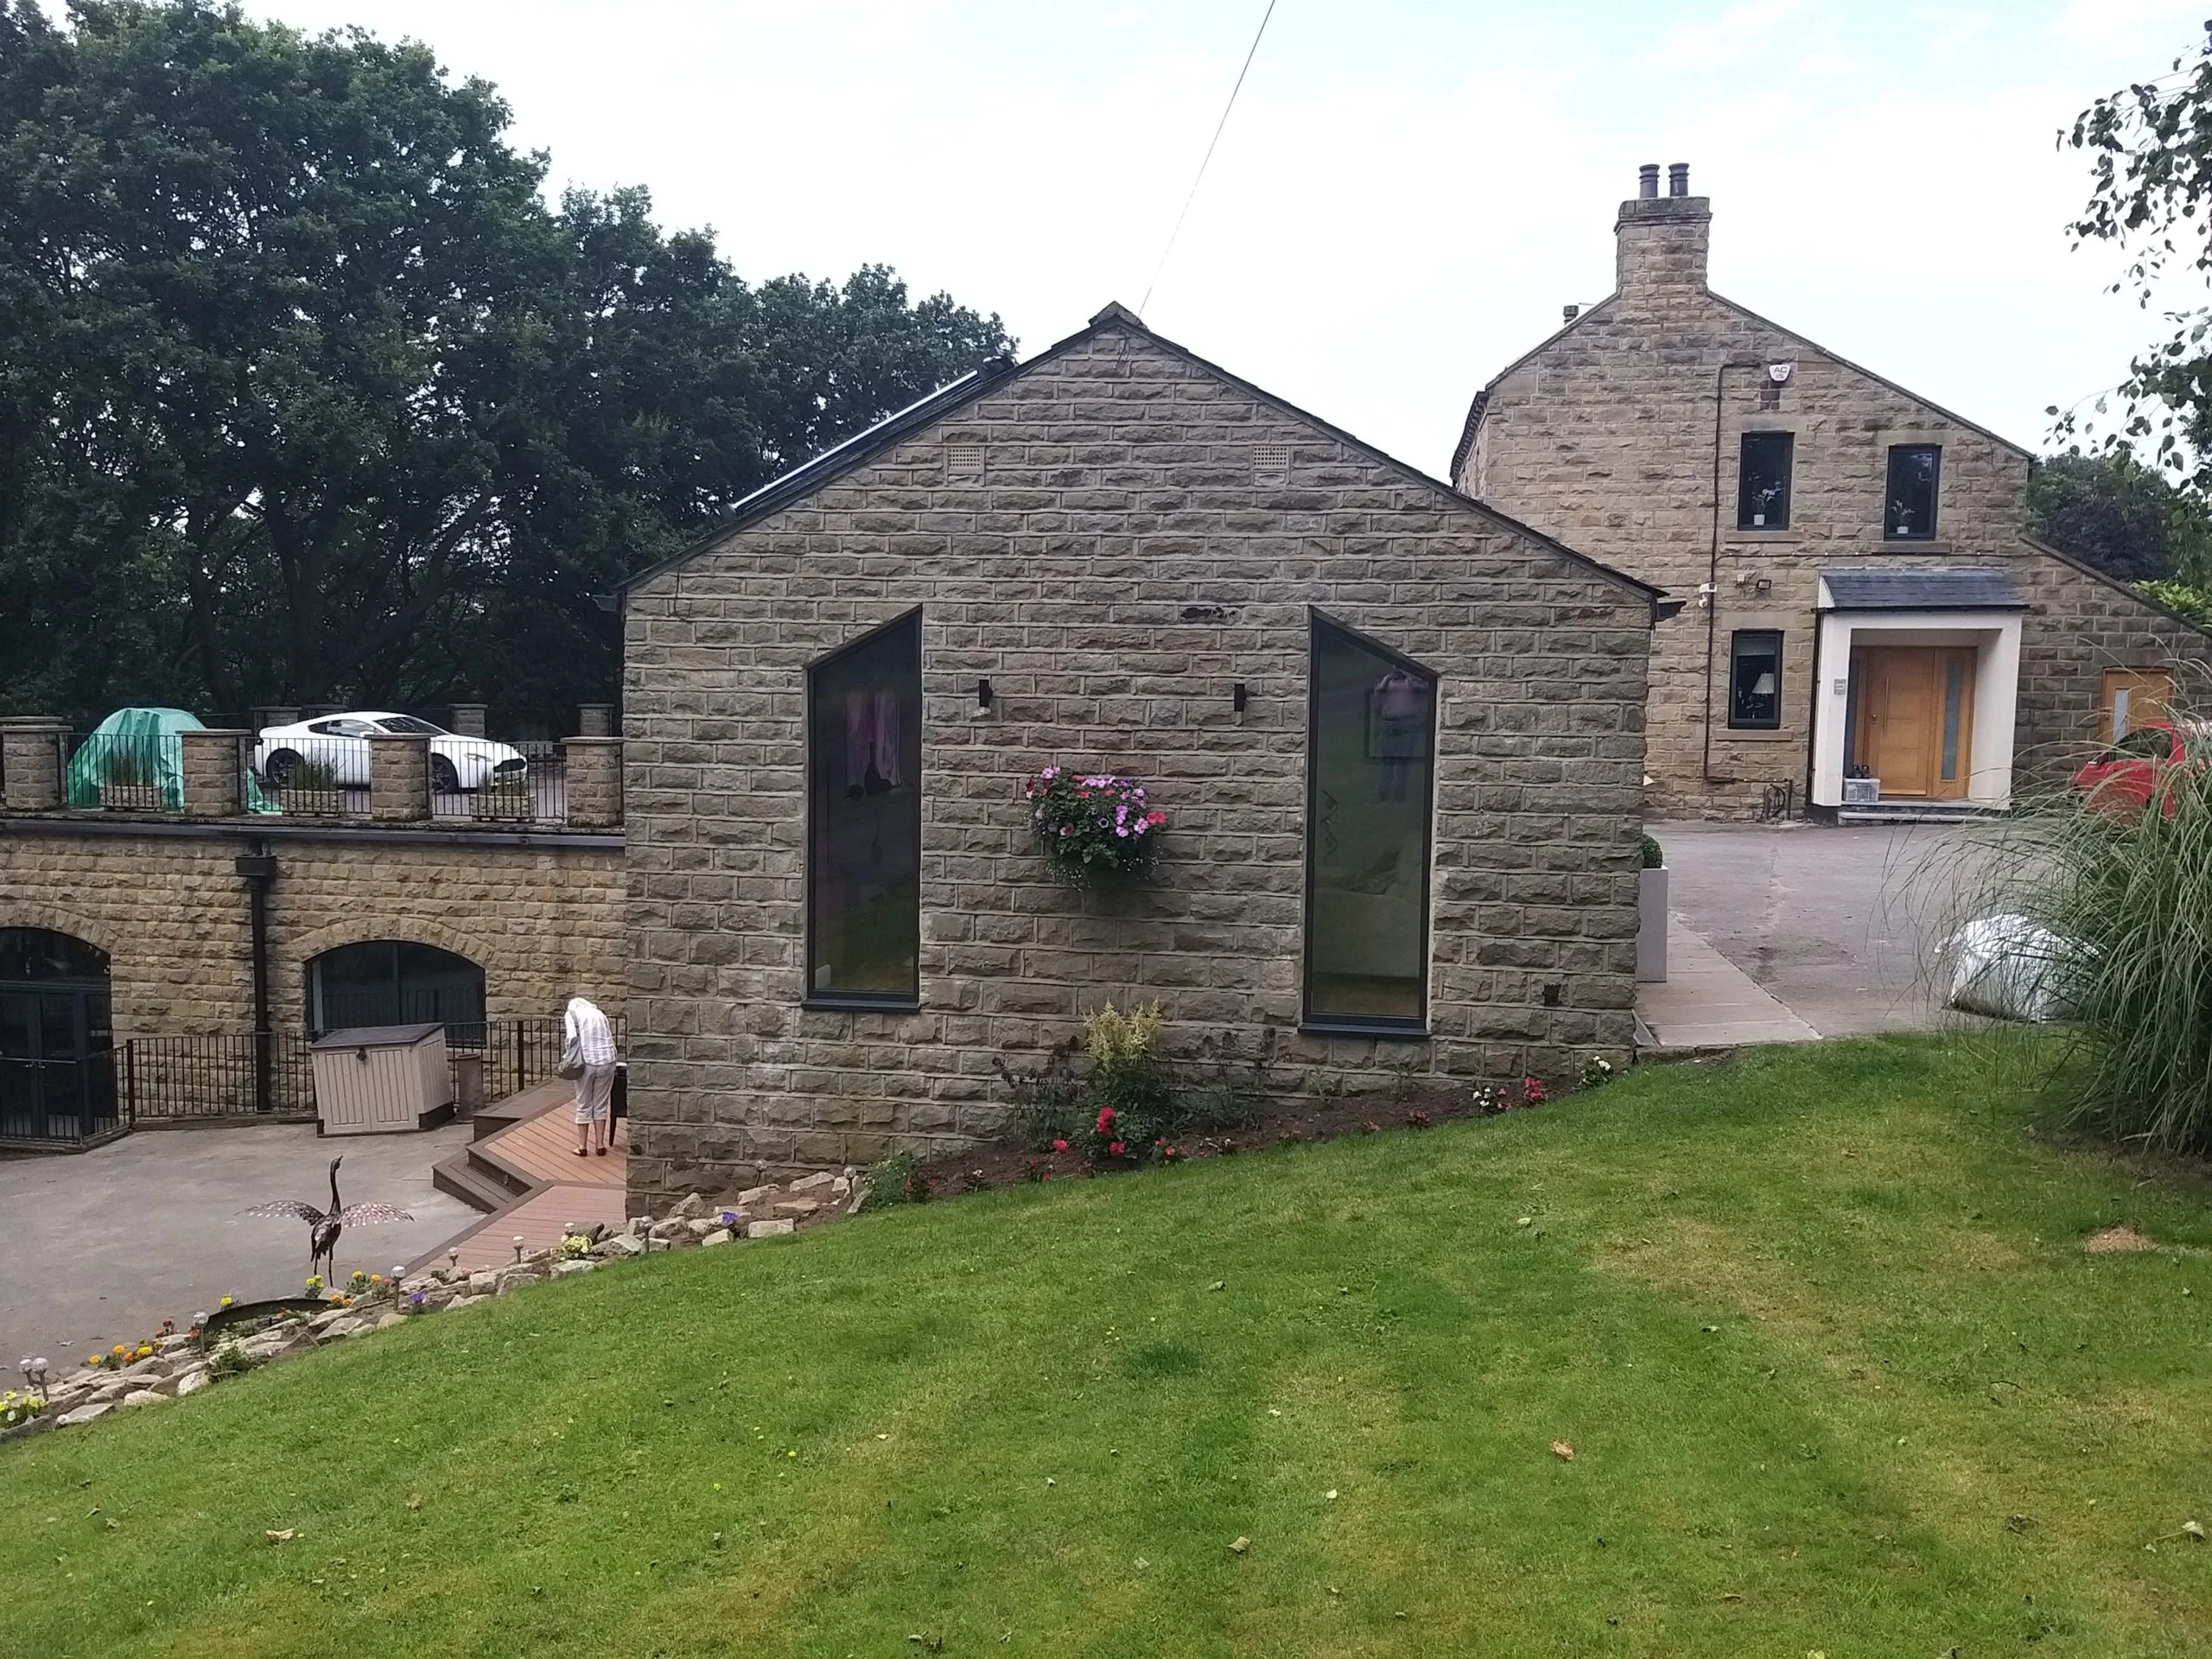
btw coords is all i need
(1660, 242)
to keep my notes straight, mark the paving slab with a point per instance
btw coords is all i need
(99, 1247)
(1706, 1002)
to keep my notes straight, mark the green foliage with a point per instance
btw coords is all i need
(230, 1360)
(2150, 149)
(897, 1178)
(2129, 892)
(2113, 513)
(1731, 1323)
(1648, 849)
(307, 396)
(2184, 598)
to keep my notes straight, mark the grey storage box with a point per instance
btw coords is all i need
(380, 1079)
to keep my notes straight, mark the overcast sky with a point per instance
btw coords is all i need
(1407, 194)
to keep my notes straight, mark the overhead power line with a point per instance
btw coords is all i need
(1200, 177)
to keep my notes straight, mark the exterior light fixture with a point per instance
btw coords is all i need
(517, 1241)
(452, 1257)
(34, 1372)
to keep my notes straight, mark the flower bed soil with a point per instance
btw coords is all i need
(1278, 1120)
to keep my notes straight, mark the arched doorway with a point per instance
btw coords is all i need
(395, 982)
(57, 1038)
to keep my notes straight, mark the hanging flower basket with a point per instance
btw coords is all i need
(1094, 827)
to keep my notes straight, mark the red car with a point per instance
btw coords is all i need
(2125, 775)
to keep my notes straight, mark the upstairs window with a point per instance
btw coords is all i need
(1763, 480)
(864, 820)
(1755, 680)
(1908, 511)
(1370, 763)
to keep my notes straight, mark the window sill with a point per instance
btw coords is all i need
(1919, 543)
(1767, 537)
(1362, 1028)
(860, 1005)
(1758, 734)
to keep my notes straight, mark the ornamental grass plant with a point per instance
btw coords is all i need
(2127, 890)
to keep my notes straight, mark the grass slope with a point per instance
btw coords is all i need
(1024, 1422)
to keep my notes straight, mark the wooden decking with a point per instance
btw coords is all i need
(535, 1158)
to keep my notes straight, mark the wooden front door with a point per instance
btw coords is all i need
(1915, 719)
(2134, 697)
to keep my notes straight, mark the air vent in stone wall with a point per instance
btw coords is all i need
(1270, 465)
(963, 459)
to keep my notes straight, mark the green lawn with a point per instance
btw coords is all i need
(1838, 1377)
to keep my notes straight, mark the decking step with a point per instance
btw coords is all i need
(471, 1182)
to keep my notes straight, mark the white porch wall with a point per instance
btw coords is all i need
(1995, 636)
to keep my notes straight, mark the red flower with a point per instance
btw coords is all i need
(1105, 1119)
(1115, 1148)
(1531, 1090)
(1059, 1145)
(1155, 817)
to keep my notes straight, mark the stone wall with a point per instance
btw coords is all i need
(1606, 437)
(1115, 536)
(543, 921)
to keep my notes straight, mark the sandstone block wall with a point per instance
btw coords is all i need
(170, 911)
(1142, 534)
(1606, 437)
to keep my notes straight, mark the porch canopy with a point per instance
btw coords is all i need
(1918, 684)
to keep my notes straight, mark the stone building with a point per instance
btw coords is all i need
(1391, 846)
(142, 946)
(1860, 599)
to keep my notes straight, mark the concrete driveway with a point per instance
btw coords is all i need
(99, 1248)
(1840, 924)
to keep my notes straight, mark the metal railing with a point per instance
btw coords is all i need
(217, 1078)
(198, 1078)
(476, 778)
(120, 771)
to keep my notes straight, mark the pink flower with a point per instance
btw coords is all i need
(1059, 1145)
(1115, 1148)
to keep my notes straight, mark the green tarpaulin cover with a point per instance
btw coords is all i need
(139, 749)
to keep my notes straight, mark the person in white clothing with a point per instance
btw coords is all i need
(588, 1047)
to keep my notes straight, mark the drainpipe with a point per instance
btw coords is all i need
(1712, 565)
(258, 867)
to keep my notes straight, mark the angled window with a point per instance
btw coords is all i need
(1370, 776)
(1908, 511)
(864, 820)
(1755, 679)
(1763, 480)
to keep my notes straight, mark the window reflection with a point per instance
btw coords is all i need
(864, 851)
(1370, 731)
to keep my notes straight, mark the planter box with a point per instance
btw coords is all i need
(1651, 926)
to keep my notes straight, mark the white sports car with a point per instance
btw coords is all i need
(336, 746)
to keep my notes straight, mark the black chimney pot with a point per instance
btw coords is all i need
(1647, 181)
(1678, 179)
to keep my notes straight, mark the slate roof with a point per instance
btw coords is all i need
(1931, 588)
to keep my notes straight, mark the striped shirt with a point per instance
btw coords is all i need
(587, 1035)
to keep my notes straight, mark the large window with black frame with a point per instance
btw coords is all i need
(864, 820)
(1909, 509)
(1370, 757)
(1755, 679)
(1763, 480)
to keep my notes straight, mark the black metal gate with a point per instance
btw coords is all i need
(57, 1065)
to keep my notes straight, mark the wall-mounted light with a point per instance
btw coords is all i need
(1237, 697)
(983, 696)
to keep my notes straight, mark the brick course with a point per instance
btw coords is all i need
(1115, 568)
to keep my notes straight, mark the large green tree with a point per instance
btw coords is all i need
(2150, 149)
(306, 393)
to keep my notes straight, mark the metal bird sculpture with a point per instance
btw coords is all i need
(325, 1226)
